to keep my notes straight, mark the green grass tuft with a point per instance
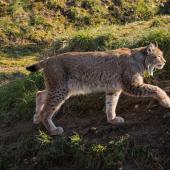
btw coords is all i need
(22, 103)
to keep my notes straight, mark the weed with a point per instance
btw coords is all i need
(44, 138)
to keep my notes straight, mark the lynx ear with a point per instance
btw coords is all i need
(150, 48)
(156, 44)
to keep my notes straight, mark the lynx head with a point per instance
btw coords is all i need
(154, 58)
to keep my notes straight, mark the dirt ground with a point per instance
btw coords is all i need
(147, 123)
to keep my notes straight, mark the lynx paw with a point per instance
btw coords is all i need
(36, 119)
(57, 131)
(165, 102)
(117, 121)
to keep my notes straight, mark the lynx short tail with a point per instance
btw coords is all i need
(37, 66)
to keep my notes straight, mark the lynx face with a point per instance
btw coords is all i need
(154, 59)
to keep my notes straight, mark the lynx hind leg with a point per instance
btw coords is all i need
(111, 103)
(40, 100)
(54, 100)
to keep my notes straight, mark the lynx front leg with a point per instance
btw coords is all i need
(133, 85)
(147, 90)
(111, 103)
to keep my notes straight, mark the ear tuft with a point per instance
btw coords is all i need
(156, 44)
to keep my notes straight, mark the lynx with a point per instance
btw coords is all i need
(112, 72)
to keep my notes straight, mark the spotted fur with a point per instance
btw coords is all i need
(112, 72)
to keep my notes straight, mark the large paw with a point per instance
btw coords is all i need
(165, 102)
(57, 131)
(117, 121)
(36, 119)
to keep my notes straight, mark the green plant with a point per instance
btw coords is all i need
(22, 100)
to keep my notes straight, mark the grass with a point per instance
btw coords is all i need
(110, 37)
(56, 27)
(43, 151)
(107, 37)
(22, 100)
(18, 97)
(42, 22)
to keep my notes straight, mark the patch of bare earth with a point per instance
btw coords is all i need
(147, 123)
